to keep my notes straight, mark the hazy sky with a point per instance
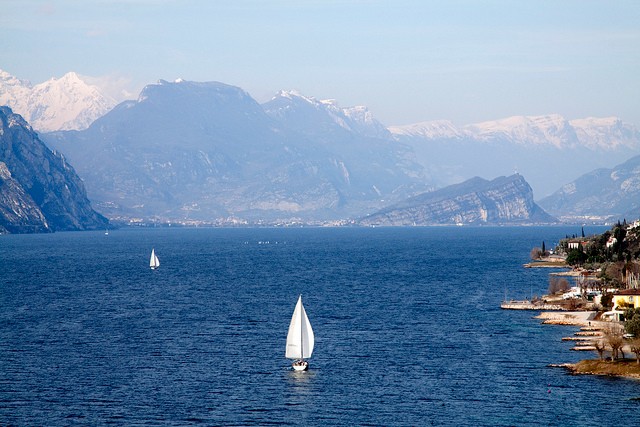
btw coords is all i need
(408, 61)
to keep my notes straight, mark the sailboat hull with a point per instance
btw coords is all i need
(300, 365)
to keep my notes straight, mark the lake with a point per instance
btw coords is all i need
(407, 323)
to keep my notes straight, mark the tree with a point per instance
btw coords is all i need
(613, 273)
(600, 347)
(544, 251)
(563, 284)
(535, 253)
(606, 301)
(632, 321)
(635, 348)
(576, 256)
(615, 341)
(620, 245)
(558, 284)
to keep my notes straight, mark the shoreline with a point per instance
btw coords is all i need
(570, 318)
(620, 368)
(590, 329)
(546, 264)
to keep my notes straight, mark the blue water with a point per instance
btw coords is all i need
(407, 321)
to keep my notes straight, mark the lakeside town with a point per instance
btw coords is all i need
(597, 289)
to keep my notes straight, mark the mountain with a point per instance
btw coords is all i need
(602, 192)
(40, 191)
(323, 118)
(504, 200)
(378, 166)
(58, 104)
(549, 149)
(208, 151)
(18, 212)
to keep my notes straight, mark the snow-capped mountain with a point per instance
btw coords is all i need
(593, 133)
(435, 129)
(549, 150)
(536, 130)
(67, 103)
(307, 114)
(607, 133)
(13, 91)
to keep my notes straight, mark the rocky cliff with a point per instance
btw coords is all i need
(40, 191)
(504, 200)
(18, 212)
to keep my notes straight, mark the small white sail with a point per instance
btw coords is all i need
(300, 336)
(154, 262)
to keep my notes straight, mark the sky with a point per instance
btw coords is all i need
(407, 61)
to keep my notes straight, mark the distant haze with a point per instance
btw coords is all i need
(203, 150)
(549, 150)
(407, 61)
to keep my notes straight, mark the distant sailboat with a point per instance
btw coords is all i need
(299, 338)
(154, 262)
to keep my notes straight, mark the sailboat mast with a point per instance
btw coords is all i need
(301, 331)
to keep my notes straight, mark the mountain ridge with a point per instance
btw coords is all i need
(207, 151)
(476, 201)
(549, 149)
(551, 129)
(603, 192)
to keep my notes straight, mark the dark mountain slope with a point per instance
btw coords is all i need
(41, 192)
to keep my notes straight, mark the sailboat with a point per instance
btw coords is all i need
(154, 262)
(299, 338)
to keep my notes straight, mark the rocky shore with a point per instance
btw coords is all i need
(590, 330)
(571, 318)
(627, 368)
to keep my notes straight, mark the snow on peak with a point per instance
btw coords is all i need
(362, 120)
(330, 102)
(71, 78)
(608, 133)
(13, 92)
(435, 129)
(7, 79)
(56, 104)
(292, 105)
(531, 130)
(294, 95)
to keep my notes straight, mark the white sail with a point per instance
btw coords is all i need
(300, 336)
(154, 262)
